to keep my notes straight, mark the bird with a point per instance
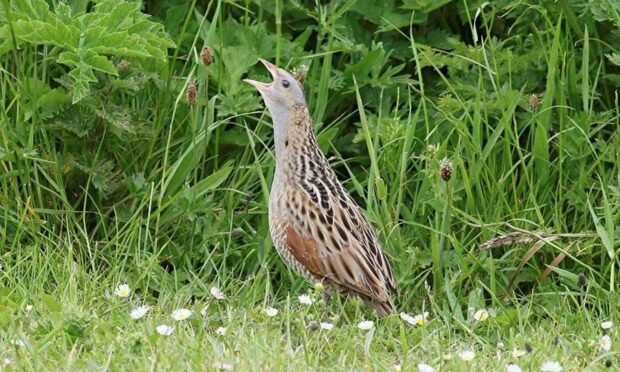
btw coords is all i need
(316, 226)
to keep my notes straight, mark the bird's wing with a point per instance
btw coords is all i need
(328, 234)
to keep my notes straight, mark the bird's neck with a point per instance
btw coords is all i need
(281, 118)
(292, 131)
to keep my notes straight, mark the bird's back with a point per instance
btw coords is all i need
(317, 227)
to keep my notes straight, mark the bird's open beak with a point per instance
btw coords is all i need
(260, 85)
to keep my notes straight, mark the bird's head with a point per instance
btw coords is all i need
(281, 96)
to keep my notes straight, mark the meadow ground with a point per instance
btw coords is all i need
(135, 168)
(83, 323)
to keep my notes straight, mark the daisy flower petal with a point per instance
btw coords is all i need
(366, 325)
(418, 320)
(217, 293)
(481, 315)
(423, 367)
(122, 290)
(139, 312)
(605, 343)
(165, 330)
(271, 312)
(327, 326)
(305, 299)
(220, 331)
(18, 342)
(467, 355)
(181, 314)
(223, 366)
(607, 324)
(518, 353)
(551, 366)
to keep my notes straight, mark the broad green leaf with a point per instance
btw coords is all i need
(605, 237)
(51, 303)
(86, 40)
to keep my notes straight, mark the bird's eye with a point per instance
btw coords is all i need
(285, 83)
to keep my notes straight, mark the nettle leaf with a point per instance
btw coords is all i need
(86, 40)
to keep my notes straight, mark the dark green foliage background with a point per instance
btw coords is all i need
(101, 150)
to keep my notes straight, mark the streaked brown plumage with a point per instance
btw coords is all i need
(316, 227)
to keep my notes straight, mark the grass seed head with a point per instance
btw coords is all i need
(534, 102)
(581, 280)
(300, 74)
(313, 325)
(207, 56)
(445, 170)
(192, 93)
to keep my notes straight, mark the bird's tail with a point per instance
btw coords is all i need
(382, 308)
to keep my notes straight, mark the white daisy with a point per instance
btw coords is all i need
(220, 331)
(467, 355)
(500, 345)
(215, 292)
(423, 367)
(607, 324)
(327, 326)
(396, 367)
(181, 314)
(407, 318)
(165, 330)
(418, 320)
(139, 312)
(271, 312)
(518, 353)
(122, 290)
(28, 308)
(18, 342)
(513, 368)
(551, 366)
(605, 343)
(203, 312)
(366, 325)
(6, 361)
(223, 366)
(304, 299)
(481, 315)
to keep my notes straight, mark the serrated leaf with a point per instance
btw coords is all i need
(110, 28)
(613, 58)
(35, 9)
(97, 62)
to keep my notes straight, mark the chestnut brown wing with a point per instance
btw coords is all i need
(350, 258)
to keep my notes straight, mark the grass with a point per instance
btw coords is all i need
(125, 181)
(77, 322)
